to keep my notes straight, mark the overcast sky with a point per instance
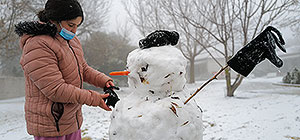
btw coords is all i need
(118, 17)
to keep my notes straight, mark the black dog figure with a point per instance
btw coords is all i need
(113, 98)
(159, 38)
(260, 48)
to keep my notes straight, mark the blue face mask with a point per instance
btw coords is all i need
(67, 35)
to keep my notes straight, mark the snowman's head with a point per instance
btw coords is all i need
(155, 69)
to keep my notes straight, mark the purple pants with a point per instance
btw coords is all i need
(73, 136)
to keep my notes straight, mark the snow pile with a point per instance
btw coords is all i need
(155, 109)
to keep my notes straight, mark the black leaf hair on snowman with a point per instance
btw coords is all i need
(159, 38)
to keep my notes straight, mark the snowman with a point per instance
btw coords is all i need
(155, 109)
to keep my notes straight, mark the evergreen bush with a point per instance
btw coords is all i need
(292, 77)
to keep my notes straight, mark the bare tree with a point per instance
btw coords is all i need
(95, 12)
(14, 11)
(146, 15)
(234, 18)
(254, 16)
(124, 31)
(155, 14)
(221, 15)
(10, 13)
(193, 40)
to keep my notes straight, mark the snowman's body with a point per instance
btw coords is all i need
(155, 109)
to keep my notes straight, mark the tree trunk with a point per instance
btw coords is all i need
(228, 83)
(237, 83)
(192, 71)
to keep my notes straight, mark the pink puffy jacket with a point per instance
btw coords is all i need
(54, 70)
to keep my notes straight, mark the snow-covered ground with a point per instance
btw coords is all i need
(260, 110)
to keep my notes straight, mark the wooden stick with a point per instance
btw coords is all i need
(214, 77)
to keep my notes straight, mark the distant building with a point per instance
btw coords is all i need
(206, 67)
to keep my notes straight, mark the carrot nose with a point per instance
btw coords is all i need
(119, 73)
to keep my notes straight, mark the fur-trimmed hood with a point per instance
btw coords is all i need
(30, 29)
(34, 28)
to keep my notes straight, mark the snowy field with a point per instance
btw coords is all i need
(260, 110)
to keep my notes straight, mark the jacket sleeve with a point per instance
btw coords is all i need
(41, 65)
(93, 76)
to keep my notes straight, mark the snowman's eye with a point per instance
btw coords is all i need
(145, 68)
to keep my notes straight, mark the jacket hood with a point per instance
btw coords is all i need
(28, 29)
(34, 28)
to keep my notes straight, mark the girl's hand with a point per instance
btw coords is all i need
(102, 103)
(109, 83)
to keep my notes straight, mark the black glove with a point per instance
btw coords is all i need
(260, 48)
(159, 38)
(113, 98)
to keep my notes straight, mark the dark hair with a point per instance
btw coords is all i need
(59, 10)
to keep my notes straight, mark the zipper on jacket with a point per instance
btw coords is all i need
(77, 64)
(79, 77)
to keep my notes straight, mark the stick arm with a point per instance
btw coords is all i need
(207, 82)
